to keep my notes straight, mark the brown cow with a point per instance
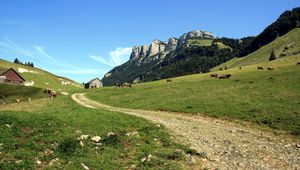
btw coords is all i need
(260, 68)
(169, 81)
(53, 94)
(269, 68)
(119, 85)
(298, 63)
(127, 85)
(226, 76)
(214, 75)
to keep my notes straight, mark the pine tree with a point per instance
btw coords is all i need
(272, 56)
(17, 61)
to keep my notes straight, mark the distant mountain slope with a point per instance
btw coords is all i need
(286, 45)
(39, 78)
(285, 23)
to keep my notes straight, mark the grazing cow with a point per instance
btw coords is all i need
(119, 85)
(48, 91)
(127, 85)
(53, 94)
(226, 76)
(298, 63)
(269, 68)
(169, 81)
(214, 75)
(260, 68)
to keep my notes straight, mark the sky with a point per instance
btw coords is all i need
(84, 39)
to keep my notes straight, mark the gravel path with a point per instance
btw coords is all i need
(227, 145)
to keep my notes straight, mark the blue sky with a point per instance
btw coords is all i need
(83, 39)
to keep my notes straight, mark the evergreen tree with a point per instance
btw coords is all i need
(272, 56)
(17, 61)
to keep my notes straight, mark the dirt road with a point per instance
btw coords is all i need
(227, 145)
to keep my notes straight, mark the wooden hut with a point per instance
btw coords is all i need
(11, 76)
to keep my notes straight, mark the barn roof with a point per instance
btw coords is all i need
(93, 80)
(13, 71)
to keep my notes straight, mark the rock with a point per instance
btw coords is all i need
(38, 162)
(18, 100)
(172, 44)
(110, 134)
(84, 166)
(53, 161)
(147, 158)
(298, 145)
(157, 125)
(83, 137)
(190, 159)
(132, 167)
(81, 143)
(196, 33)
(96, 139)
(132, 133)
(18, 161)
(8, 126)
(64, 93)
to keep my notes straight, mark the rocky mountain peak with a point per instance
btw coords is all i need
(158, 46)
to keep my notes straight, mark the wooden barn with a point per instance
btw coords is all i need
(94, 83)
(12, 77)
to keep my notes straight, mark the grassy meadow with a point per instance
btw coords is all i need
(9, 93)
(286, 45)
(41, 78)
(268, 98)
(42, 134)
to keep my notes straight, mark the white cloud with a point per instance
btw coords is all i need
(117, 57)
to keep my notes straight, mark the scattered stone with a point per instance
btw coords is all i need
(65, 93)
(158, 125)
(288, 145)
(132, 167)
(1, 144)
(48, 151)
(81, 143)
(53, 161)
(83, 137)
(147, 158)
(132, 133)
(18, 100)
(190, 159)
(110, 134)
(96, 139)
(78, 132)
(29, 99)
(8, 126)
(298, 145)
(232, 131)
(18, 161)
(84, 166)
(38, 162)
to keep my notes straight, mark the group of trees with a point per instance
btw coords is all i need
(17, 61)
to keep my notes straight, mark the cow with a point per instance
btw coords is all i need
(269, 68)
(53, 94)
(169, 81)
(260, 68)
(127, 85)
(298, 63)
(226, 76)
(214, 75)
(119, 85)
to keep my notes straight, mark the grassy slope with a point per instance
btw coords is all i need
(52, 126)
(41, 78)
(250, 95)
(263, 54)
(199, 42)
(13, 92)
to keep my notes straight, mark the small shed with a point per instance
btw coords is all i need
(11, 76)
(94, 83)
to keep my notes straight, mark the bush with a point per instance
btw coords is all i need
(68, 146)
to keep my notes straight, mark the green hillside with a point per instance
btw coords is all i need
(9, 93)
(41, 78)
(286, 45)
(265, 97)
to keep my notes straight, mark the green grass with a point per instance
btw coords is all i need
(41, 78)
(13, 92)
(268, 98)
(263, 54)
(199, 42)
(34, 133)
